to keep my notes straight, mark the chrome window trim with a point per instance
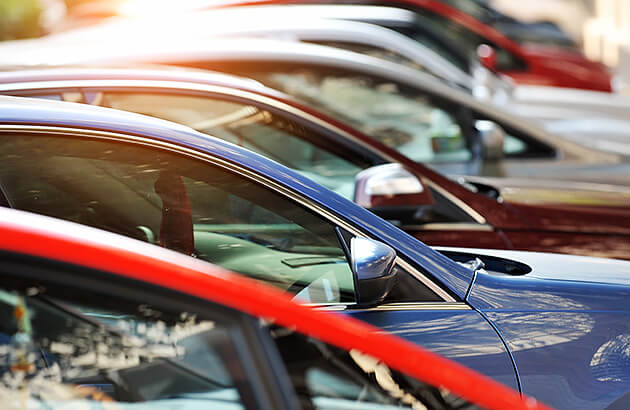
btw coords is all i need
(436, 306)
(217, 89)
(421, 306)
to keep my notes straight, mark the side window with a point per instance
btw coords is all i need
(405, 119)
(183, 204)
(254, 128)
(326, 378)
(76, 349)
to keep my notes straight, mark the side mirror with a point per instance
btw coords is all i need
(488, 57)
(373, 267)
(391, 192)
(492, 138)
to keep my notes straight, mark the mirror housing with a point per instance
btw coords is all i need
(388, 185)
(391, 192)
(487, 57)
(373, 266)
(492, 137)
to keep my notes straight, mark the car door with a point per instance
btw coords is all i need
(201, 206)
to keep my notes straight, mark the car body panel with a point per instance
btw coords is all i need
(583, 309)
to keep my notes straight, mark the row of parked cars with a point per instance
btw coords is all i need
(319, 148)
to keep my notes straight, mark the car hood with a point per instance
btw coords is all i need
(543, 281)
(550, 192)
(562, 205)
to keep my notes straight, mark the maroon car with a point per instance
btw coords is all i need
(583, 219)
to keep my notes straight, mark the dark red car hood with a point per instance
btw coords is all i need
(565, 206)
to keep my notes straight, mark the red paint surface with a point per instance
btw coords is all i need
(212, 283)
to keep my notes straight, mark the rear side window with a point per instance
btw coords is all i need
(180, 203)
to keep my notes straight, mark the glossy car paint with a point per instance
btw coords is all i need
(476, 294)
(543, 65)
(579, 219)
(43, 237)
(577, 312)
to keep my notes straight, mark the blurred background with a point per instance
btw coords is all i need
(600, 27)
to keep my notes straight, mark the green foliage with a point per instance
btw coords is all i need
(19, 19)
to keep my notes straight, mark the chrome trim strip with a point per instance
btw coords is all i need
(396, 306)
(464, 206)
(455, 226)
(424, 280)
(422, 306)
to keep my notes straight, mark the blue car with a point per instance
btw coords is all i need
(553, 326)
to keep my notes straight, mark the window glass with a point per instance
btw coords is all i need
(326, 378)
(256, 129)
(401, 118)
(179, 203)
(110, 353)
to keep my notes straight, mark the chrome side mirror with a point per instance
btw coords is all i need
(492, 137)
(373, 267)
(389, 185)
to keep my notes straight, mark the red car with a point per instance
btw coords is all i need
(525, 64)
(92, 316)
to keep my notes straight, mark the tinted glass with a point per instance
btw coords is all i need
(183, 204)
